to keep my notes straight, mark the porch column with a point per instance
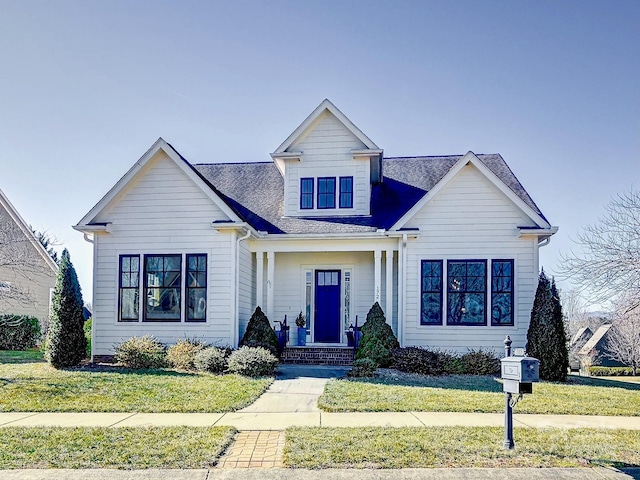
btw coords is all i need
(377, 275)
(259, 279)
(389, 278)
(271, 264)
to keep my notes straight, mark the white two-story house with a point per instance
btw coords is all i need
(448, 245)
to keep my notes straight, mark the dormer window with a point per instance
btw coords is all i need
(327, 192)
(346, 192)
(306, 193)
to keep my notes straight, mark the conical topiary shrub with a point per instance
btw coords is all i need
(378, 339)
(259, 333)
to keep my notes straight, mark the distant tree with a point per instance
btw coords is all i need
(575, 311)
(609, 262)
(623, 339)
(66, 342)
(546, 338)
(47, 242)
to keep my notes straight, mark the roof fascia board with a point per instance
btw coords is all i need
(326, 105)
(471, 158)
(24, 227)
(158, 145)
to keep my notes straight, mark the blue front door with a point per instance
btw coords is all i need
(327, 311)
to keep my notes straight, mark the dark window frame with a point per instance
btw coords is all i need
(146, 289)
(309, 196)
(348, 194)
(121, 288)
(322, 197)
(188, 288)
(495, 292)
(423, 292)
(451, 322)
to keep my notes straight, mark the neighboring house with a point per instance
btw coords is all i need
(576, 343)
(27, 272)
(596, 350)
(448, 245)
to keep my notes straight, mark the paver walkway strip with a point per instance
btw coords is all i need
(255, 449)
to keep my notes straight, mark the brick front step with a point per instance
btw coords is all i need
(318, 355)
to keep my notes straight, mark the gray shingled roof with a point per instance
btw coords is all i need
(256, 192)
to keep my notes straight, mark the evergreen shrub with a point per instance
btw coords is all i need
(141, 353)
(182, 354)
(260, 334)
(87, 334)
(213, 359)
(66, 344)
(19, 332)
(546, 337)
(363, 367)
(252, 362)
(378, 340)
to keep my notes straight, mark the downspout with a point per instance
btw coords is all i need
(236, 305)
(92, 241)
(544, 242)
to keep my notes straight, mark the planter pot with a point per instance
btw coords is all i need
(302, 336)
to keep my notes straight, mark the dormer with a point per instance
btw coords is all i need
(328, 166)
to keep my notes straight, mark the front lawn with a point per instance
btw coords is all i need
(125, 448)
(453, 447)
(393, 392)
(37, 387)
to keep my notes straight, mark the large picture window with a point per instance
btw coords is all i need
(129, 295)
(466, 292)
(346, 192)
(196, 288)
(163, 284)
(431, 307)
(502, 292)
(306, 193)
(327, 192)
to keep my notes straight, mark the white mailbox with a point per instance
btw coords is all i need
(520, 369)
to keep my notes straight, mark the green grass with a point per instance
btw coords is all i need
(123, 448)
(579, 396)
(37, 387)
(458, 447)
(28, 356)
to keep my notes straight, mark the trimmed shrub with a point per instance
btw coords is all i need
(480, 362)
(182, 354)
(363, 367)
(260, 334)
(611, 371)
(378, 339)
(451, 363)
(66, 344)
(252, 362)
(417, 360)
(141, 352)
(19, 332)
(213, 359)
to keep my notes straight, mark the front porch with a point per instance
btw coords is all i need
(318, 355)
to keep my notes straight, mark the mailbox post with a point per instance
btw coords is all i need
(518, 375)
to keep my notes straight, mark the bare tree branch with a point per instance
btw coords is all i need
(609, 263)
(623, 339)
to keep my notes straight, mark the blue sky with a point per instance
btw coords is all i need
(87, 87)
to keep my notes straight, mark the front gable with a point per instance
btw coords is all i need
(328, 166)
(471, 191)
(161, 186)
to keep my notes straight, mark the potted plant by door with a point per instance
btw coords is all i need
(302, 331)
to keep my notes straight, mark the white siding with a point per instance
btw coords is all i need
(326, 148)
(247, 287)
(470, 219)
(162, 212)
